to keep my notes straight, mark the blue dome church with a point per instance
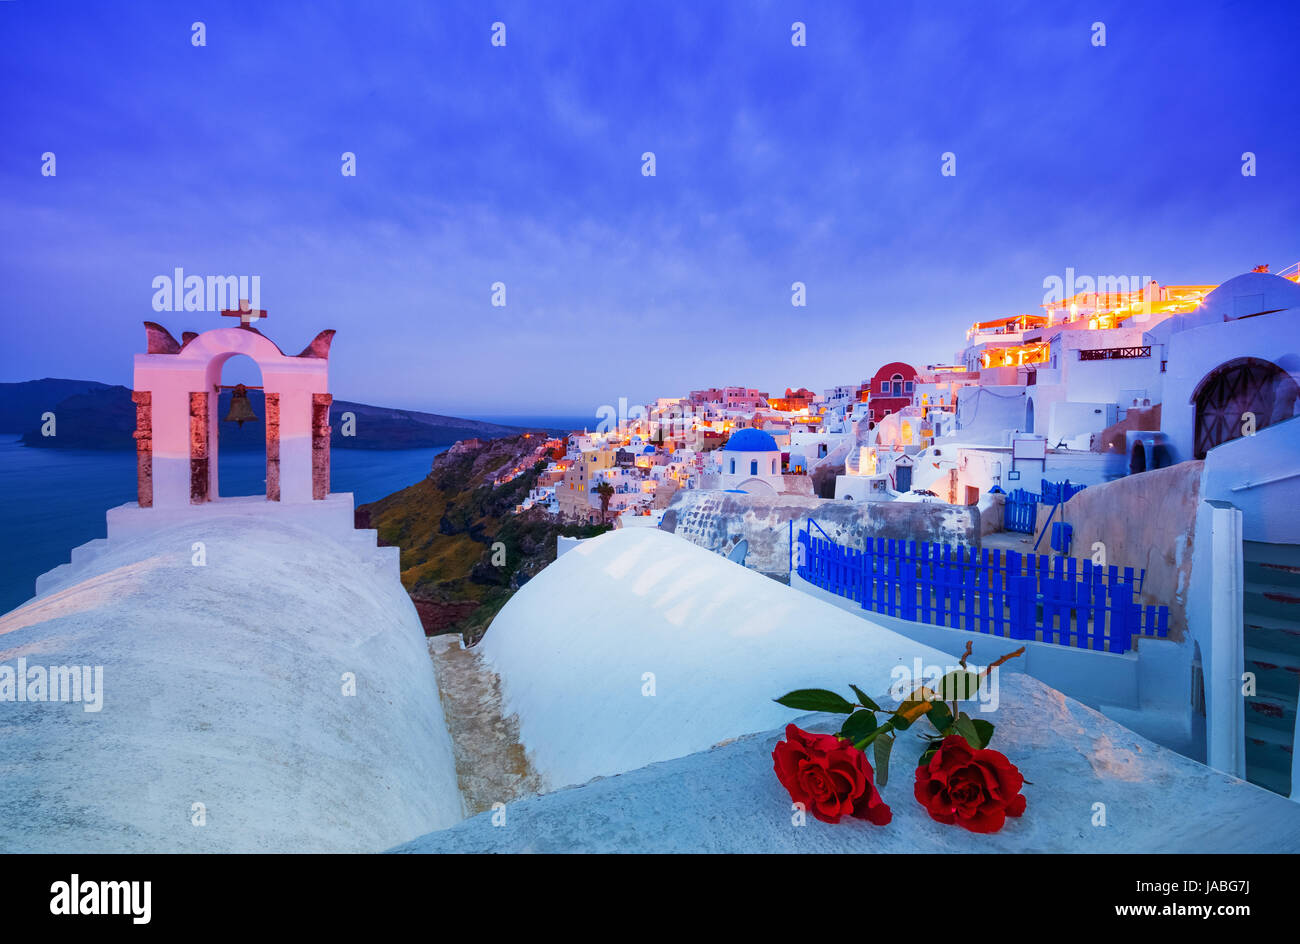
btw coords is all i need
(751, 462)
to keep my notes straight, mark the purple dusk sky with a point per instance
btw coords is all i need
(522, 164)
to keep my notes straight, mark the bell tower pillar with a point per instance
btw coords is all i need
(273, 447)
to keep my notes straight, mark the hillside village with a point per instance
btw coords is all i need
(1149, 429)
(1105, 491)
(1074, 392)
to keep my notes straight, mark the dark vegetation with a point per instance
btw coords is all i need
(464, 550)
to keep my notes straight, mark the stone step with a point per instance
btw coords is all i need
(1275, 671)
(367, 537)
(1273, 710)
(1263, 734)
(1279, 781)
(1268, 599)
(83, 554)
(1272, 636)
(1268, 758)
(1275, 633)
(1289, 623)
(1273, 657)
(52, 578)
(1260, 552)
(1259, 572)
(1270, 586)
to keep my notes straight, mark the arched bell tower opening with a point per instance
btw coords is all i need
(238, 431)
(177, 389)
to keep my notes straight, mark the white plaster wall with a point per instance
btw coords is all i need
(987, 412)
(807, 444)
(1195, 352)
(1102, 381)
(1082, 468)
(1074, 418)
(742, 474)
(1241, 472)
(859, 488)
(983, 469)
(986, 467)
(224, 684)
(573, 646)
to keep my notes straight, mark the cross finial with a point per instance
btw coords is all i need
(245, 313)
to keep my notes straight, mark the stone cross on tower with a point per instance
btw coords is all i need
(245, 313)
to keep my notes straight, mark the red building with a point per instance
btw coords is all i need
(889, 390)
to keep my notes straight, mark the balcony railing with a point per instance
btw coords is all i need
(1114, 353)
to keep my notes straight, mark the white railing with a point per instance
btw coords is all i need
(1277, 478)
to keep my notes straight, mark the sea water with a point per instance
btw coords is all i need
(52, 500)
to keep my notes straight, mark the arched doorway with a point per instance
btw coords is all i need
(1138, 461)
(1029, 415)
(1246, 385)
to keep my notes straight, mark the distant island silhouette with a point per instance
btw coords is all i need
(94, 415)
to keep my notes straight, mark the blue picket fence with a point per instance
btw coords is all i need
(1020, 510)
(1018, 596)
(1058, 493)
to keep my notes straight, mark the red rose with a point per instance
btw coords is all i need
(830, 777)
(976, 789)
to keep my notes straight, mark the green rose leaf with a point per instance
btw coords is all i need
(858, 725)
(959, 685)
(816, 699)
(940, 716)
(882, 746)
(863, 700)
(966, 728)
(985, 731)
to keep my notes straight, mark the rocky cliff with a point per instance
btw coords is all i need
(464, 550)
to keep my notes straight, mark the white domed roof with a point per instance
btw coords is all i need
(1250, 294)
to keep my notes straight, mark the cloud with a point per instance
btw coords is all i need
(522, 164)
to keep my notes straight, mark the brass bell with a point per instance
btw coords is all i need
(240, 410)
